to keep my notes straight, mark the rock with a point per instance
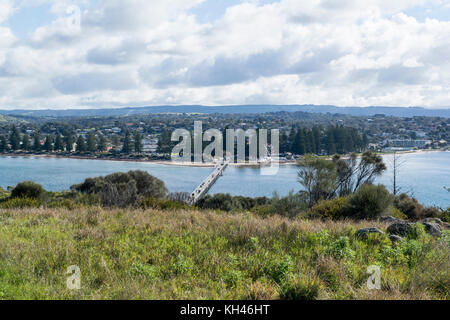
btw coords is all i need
(388, 219)
(363, 233)
(446, 226)
(395, 238)
(432, 229)
(400, 228)
(433, 220)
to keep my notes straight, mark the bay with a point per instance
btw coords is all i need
(423, 175)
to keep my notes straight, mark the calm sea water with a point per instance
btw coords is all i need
(423, 174)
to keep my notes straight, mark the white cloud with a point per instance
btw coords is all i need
(140, 52)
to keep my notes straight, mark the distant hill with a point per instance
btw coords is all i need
(355, 111)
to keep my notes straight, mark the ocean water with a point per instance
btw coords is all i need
(423, 175)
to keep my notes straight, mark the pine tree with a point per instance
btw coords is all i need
(138, 147)
(102, 143)
(91, 143)
(127, 143)
(3, 144)
(68, 140)
(26, 144)
(48, 144)
(59, 146)
(37, 142)
(81, 145)
(115, 141)
(14, 139)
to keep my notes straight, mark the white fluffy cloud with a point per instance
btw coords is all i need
(137, 52)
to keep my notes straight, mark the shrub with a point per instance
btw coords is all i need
(445, 215)
(329, 209)
(291, 206)
(227, 202)
(300, 289)
(64, 203)
(19, 203)
(279, 269)
(340, 249)
(123, 189)
(413, 209)
(28, 189)
(369, 202)
(153, 203)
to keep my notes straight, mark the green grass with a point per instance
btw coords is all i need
(152, 254)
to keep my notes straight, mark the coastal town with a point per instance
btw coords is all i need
(148, 137)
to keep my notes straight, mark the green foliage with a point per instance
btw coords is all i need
(63, 203)
(169, 205)
(232, 278)
(226, 202)
(290, 206)
(123, 189)
(139, 269)
(301, 288)
(446, 237)
(445, 215)
(28, 189)
(278, 269)
(413, 209)
(369, 202)
(19, 203)
(340, 249)
(330, 209)
(317, 177)
(147, 255)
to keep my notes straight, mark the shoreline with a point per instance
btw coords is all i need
(182, 164)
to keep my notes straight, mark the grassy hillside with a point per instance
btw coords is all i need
(153, 254)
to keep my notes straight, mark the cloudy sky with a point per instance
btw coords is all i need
(109, 53)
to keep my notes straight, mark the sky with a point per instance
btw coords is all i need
(63, 54)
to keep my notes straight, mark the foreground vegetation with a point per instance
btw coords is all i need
(131, 239)
(187, 254)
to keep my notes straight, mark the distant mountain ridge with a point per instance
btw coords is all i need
(237, 109)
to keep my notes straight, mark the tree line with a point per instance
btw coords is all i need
(317, 140)
(93, 142)
(301, 141)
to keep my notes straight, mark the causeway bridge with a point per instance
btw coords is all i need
(207, 184)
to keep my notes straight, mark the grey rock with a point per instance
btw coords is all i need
(400, 228)
(363, 233)
(432, 229)
(395, 238)
(388, 219)
(433, 220)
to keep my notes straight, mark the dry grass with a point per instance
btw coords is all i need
(136, 254)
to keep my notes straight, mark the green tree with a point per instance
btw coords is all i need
(26, 144)
(317, 176)
(68, 140)
(127, 143)
(102, 143)
(81, 145)
(14, 138)
(48, 144)
(115, 141)
(352, 173)
(3, 144)
(91, 143)
(138, 147)
(59, 145)
(37, 142)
